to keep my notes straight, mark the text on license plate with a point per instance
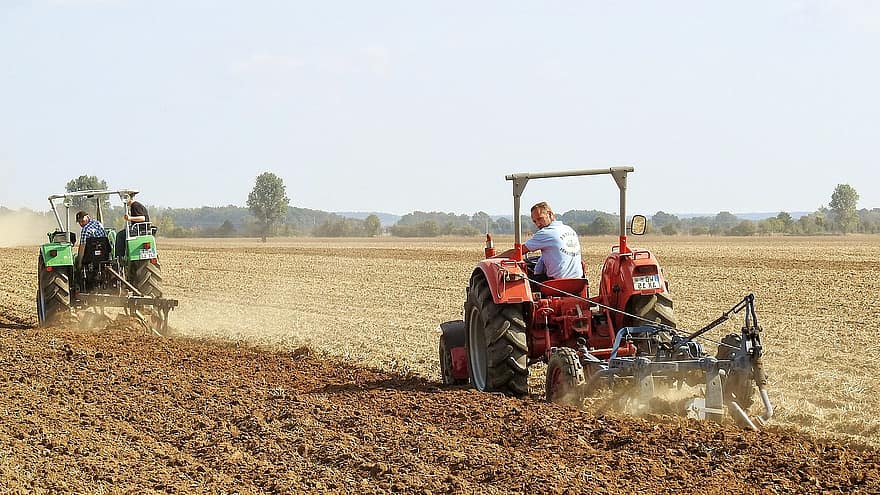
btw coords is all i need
(646, 282)
(148, 254)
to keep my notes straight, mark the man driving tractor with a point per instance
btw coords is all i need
(90, 228)
(558, 243)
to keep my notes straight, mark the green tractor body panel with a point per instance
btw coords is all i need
(57, 254)
(142, 247)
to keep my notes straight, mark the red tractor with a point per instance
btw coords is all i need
(624, 335)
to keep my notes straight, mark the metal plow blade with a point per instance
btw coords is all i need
(728, 380)
(152, 312)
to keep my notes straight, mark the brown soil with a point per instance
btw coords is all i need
(253, 410)
(119, 411)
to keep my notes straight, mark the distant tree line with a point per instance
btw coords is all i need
(822, 221)
(269, 214)
(232, 221)
(841, 216)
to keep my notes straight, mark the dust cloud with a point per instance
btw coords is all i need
(24, 228)
(670, 400)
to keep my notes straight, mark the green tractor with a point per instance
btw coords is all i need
(103, 278)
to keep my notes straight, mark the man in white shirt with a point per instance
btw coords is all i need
(559, 245)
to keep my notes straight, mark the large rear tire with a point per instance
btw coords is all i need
(53, 293)
(565, 377)
(738, 385)
(496, 343)
(147, 278)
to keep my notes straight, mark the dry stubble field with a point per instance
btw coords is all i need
(378, 302)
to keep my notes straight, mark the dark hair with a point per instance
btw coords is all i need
(80, 215)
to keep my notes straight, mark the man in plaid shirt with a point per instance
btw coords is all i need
(90, 228)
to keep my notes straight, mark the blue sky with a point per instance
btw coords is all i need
(402, 106)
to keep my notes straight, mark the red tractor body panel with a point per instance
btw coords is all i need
(560, 321)
(459, 363)
(506, 279)
(627, 274)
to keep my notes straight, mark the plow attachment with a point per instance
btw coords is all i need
(729, 379)
(152, 312)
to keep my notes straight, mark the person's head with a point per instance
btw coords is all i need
(129, 198)
(542, 214)
(82, 218)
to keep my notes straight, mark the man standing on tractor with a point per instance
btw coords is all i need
(135, 213)
(559, 245)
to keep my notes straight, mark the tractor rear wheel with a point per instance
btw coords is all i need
(53, 293)
(147, 278)
(565, 377)
(653, 308)
(738, 384)
(496, 345)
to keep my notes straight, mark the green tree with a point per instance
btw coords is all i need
(669, 229)
(726, 220)
(744, 228)
(770, 226)
(372, 225)
(268, 202)
(869, 220)
(662, 219)
(843, 208)
(503, 226)
(482, 221)
(429, 229)
(600, 226)
(226, 229)
(87, 183)
(166, 226)
(786, 220)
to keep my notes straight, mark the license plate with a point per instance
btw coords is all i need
(148, 254)
(646, 282)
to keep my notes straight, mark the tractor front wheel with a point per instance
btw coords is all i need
(496, 345)
(53, 293)
(565, 377)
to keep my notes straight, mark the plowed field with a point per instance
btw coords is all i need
(310, 366)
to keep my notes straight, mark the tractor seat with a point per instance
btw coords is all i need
(552, 287)
(61, 236)
(97, 250)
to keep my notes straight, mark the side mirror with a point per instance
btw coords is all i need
(638, 225)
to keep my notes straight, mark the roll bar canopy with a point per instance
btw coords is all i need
(521, 179)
